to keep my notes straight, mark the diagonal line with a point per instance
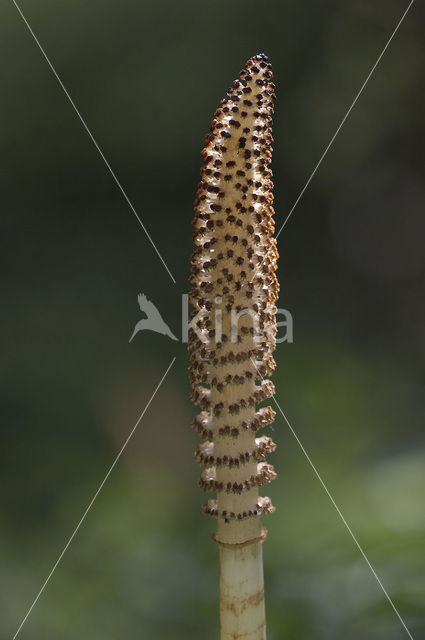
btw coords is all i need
(344, 118)
(344, 521)
(347, 526)
(118, 183)
(93, 499)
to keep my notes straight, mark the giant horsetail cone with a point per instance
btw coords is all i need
(234, 319)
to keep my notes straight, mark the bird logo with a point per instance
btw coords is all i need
(153, 322)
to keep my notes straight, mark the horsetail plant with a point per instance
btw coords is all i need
(233, 336)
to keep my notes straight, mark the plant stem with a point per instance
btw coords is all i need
(232, 337)
(242, 615)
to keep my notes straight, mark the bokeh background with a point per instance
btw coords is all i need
(147, 77)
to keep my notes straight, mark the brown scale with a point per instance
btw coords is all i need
(233, 269)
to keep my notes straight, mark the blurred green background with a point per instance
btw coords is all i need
(147, 77)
